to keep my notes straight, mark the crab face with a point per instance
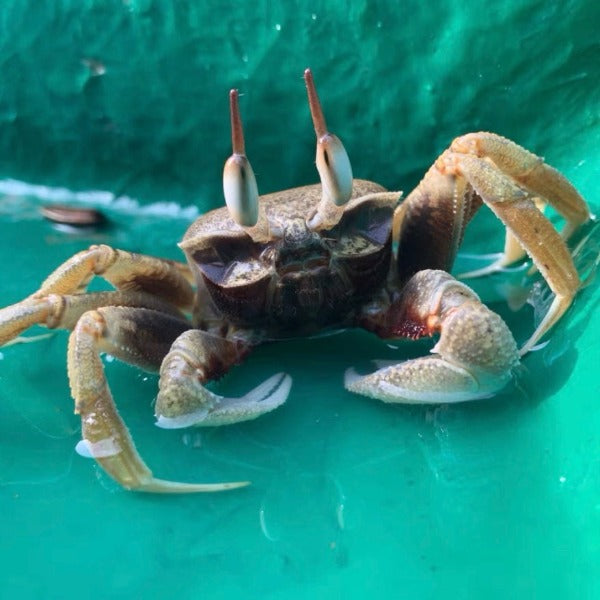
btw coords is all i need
(299, 279)
(294, 261)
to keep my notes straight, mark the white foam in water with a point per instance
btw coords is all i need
(97, 198)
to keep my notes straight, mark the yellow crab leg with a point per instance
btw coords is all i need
(127, 271)
(63, 311)
(516, 208)
(141, 281)
(141, 337)
(545, 184)
(486, 168)
(529, 171)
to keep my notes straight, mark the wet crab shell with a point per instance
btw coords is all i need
(299, 280)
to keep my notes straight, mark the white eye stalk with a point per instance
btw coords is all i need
(333, 165)
(239, 184)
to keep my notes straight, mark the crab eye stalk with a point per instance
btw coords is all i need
(334, 169)
(239, 184)
(333, 164)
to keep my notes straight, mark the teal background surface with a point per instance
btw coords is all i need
(122, 105)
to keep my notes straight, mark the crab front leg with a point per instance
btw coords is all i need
(140, 337)
(473, 358)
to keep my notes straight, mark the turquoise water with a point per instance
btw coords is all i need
(350, 497)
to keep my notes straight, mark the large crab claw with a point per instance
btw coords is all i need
(473, 358)
(196, 357)
(182, 400)
(211, 409)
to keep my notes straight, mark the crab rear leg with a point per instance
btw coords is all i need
(138, 336)
(63, 311)
(473, 358)
(127, 271)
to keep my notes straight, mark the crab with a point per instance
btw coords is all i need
(342, 253)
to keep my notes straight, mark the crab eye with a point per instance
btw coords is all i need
(332, 160)
(334, 169)
(239, 184)
(240, 190)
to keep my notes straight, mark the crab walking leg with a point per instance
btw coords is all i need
(197, 357)
(430, 224)
(546, 185)
(141, 337)
(473, 358)
(63, 311)
(529, 171)
(516, 208)
(127, 271)
(513, 252)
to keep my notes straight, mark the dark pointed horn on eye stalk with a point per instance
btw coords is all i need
(333, 165)
(239, 184)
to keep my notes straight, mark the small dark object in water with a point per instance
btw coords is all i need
(76, 217)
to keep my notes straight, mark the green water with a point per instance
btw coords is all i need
(350, 498)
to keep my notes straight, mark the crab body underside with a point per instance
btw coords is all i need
(343, 253)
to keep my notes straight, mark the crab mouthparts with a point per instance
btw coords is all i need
(299, 265)
(301, 250)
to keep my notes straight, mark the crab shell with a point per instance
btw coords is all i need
(300, 280)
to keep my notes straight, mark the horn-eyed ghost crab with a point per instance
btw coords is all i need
(342, 253)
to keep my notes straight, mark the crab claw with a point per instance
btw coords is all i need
(333, 165)
(219, 410)
(473, 358)
(239, 183)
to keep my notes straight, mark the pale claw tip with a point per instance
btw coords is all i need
(350, 378)
(270, 393)
(182, 421)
